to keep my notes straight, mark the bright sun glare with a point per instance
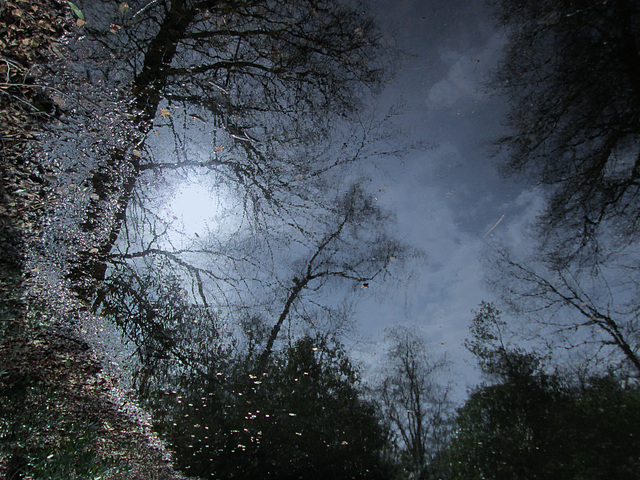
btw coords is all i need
(195, 207)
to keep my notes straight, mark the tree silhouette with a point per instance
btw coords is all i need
(593, 311)
(270, 80)
(303, 416)
(154, 290)
(415, 405)
(570, 73)
(538, 425)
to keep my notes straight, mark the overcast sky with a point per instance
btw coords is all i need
(450, 195)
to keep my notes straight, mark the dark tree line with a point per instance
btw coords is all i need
(529, 419)
(536, 425)
(300, 414)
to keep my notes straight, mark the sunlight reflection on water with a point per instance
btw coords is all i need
(198, 209)
(195, 207)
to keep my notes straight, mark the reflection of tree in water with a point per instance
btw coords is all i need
(264, 99)
(247, 275)
(570, 72)
(235, 328)
(268, 83)
(416, 406)
(565, 365)
(301, 418)
(270, 77)
(532, 424)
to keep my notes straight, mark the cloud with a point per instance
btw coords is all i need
(450, 283)
(466, 73)
(521, 214)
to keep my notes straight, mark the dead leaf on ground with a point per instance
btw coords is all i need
(58, 100)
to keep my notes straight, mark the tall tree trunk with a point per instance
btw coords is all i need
(108, 179)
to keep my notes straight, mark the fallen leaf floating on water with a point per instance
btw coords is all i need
(76, 10)
(165, 113)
